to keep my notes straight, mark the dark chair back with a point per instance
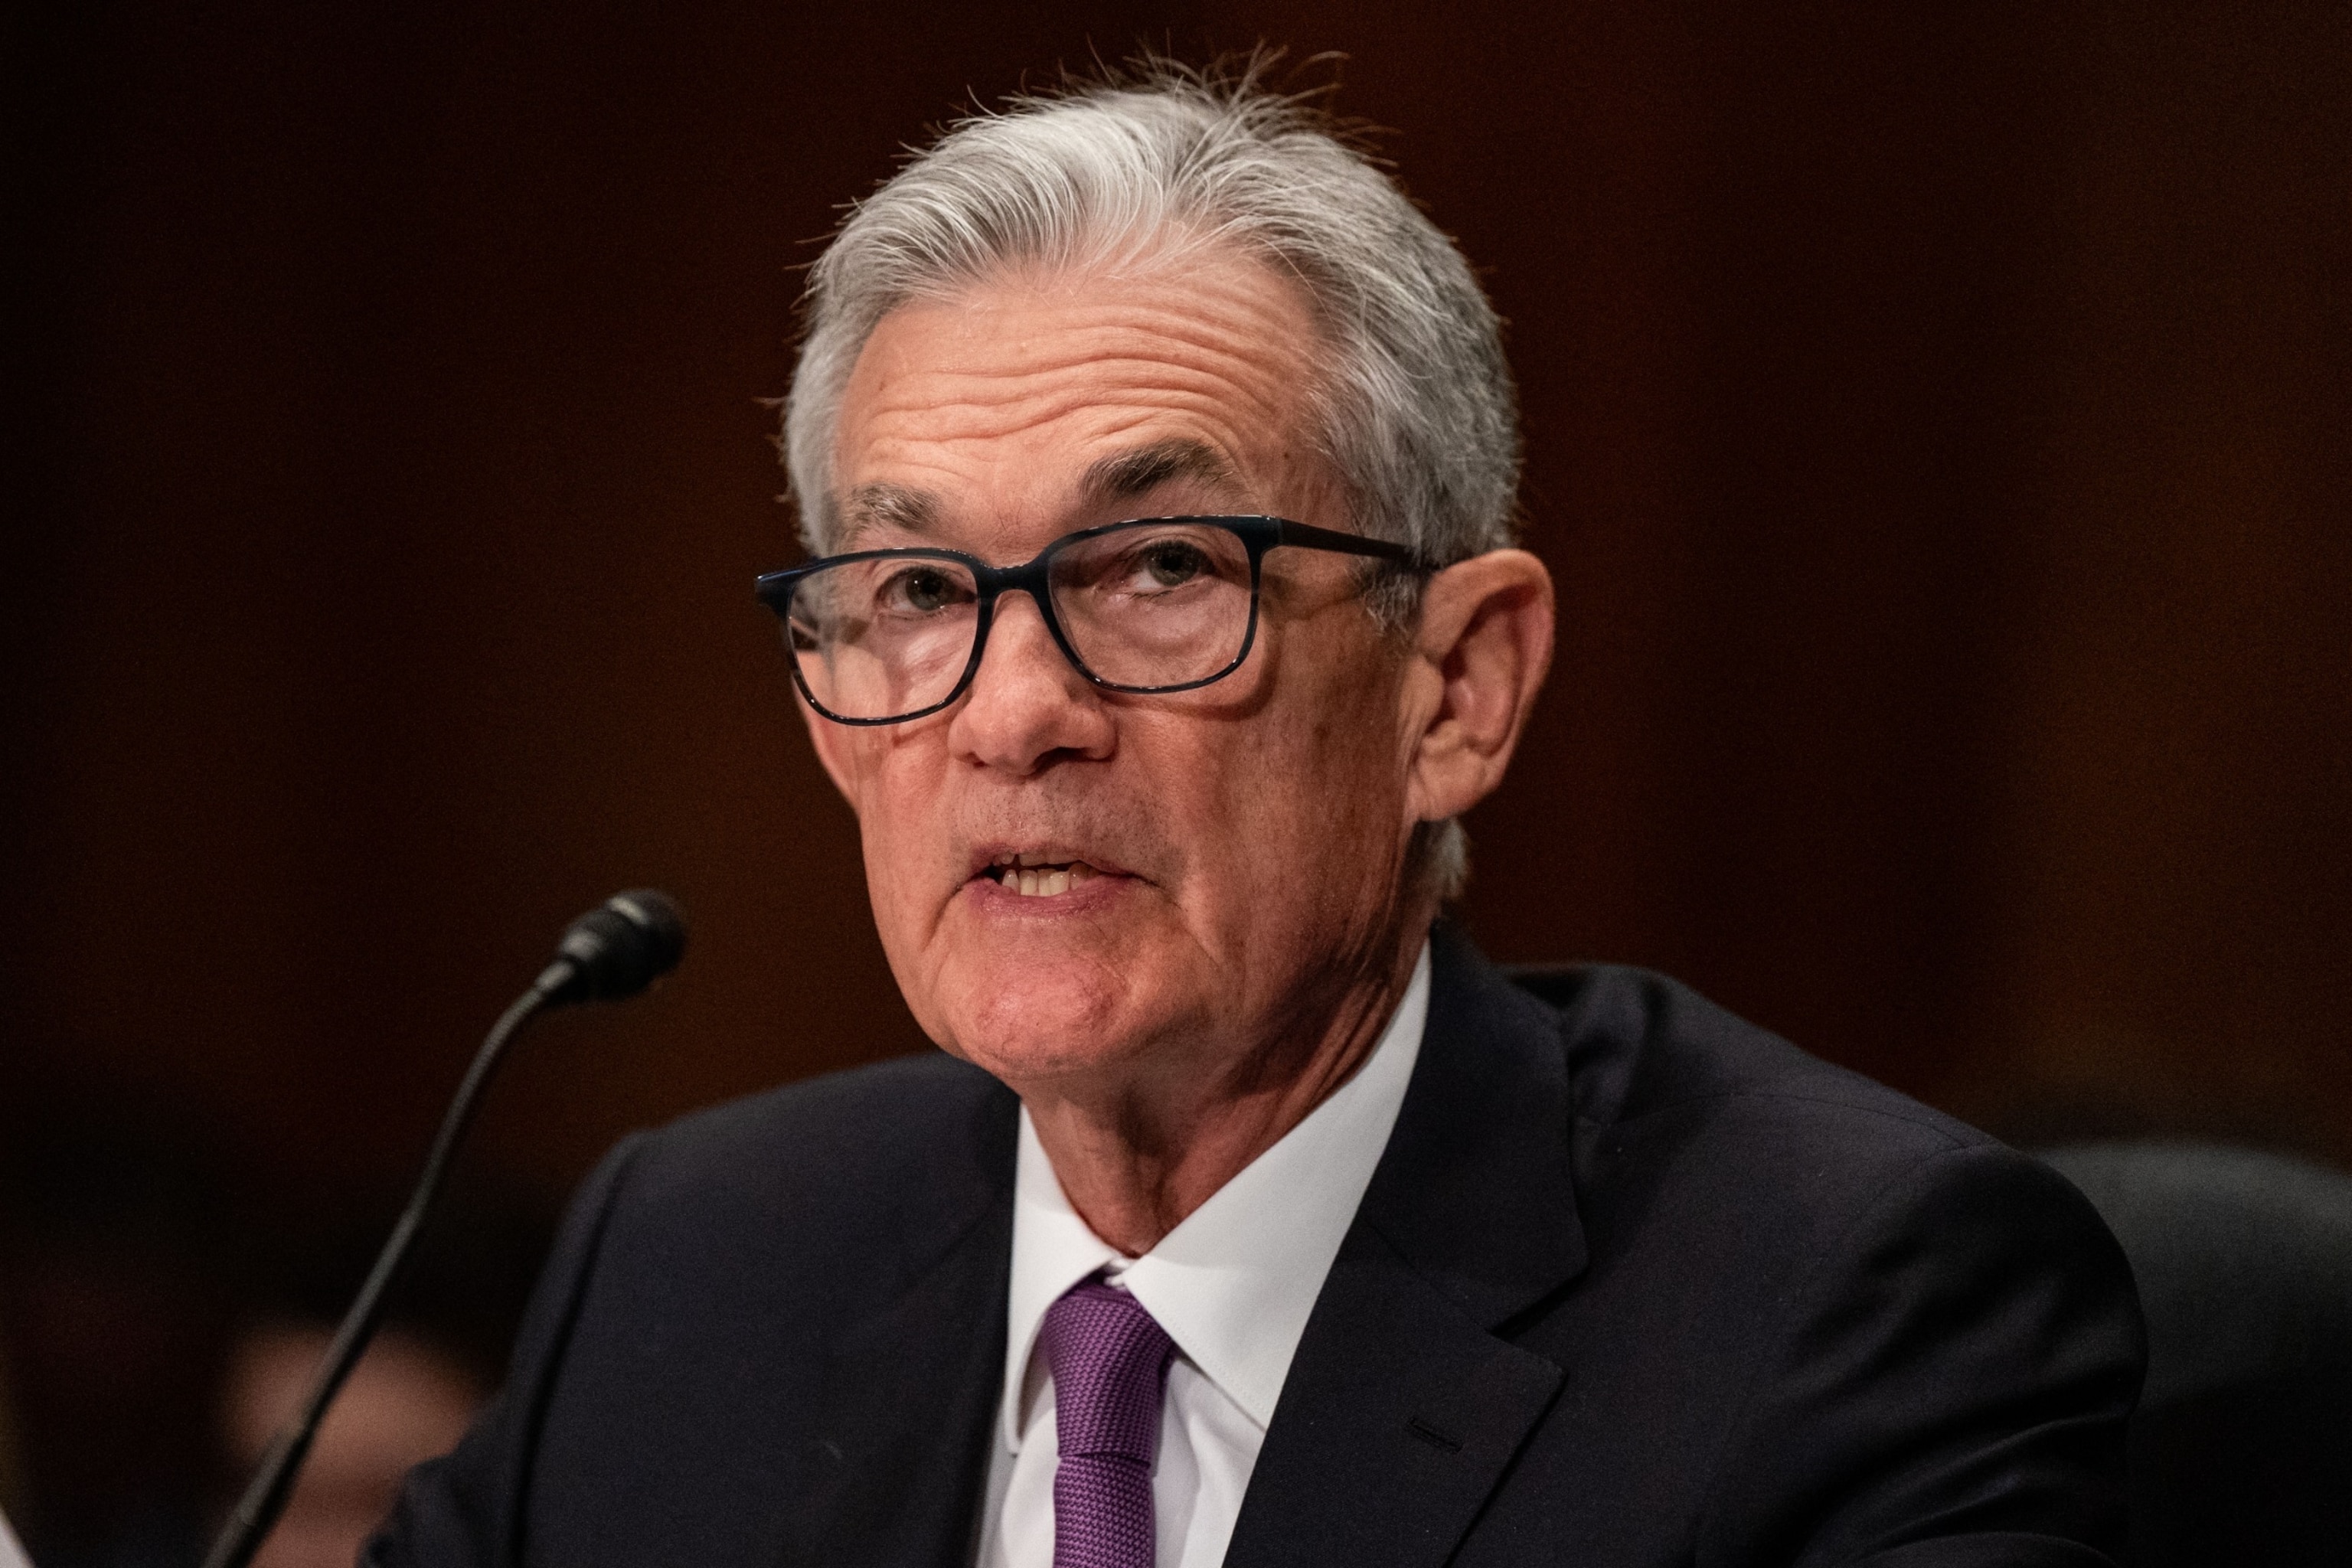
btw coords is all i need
(2241, 1451)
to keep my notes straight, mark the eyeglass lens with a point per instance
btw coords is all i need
(1149, 606)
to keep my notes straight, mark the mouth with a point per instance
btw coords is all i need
(1040, 875)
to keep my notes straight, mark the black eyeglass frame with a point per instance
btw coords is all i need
(1033, 577)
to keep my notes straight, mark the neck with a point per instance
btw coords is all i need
(1136, 1156)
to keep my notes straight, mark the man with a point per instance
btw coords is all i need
(1158, 459)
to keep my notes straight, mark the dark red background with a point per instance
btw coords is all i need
(1936, 423)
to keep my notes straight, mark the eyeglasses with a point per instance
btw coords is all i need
(1156, 604)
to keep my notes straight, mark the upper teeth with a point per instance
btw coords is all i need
(1034, 877)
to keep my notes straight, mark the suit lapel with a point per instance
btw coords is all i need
(1404, 1407)
(896, 1471)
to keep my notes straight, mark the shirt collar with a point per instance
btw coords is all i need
(1234, 1283)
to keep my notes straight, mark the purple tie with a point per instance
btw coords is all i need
(1109, 1360)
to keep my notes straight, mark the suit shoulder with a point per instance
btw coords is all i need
(1706, 1143)
(842, 1116)
(891, 1144)
(1641, 1045)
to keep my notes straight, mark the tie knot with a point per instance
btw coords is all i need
(1107, 1357)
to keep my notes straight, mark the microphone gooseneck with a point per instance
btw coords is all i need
(612, 952)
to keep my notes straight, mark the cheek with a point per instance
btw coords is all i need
(1309, 819)
(896, 802)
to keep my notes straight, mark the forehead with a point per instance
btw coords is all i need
(1047, 394)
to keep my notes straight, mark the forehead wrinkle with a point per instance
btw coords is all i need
(1143, 338)
(948, 415)
(943, 381)
(1127, 362)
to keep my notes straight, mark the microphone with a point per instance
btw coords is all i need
(616, 950)
(609, 954)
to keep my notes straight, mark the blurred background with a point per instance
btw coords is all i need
(1936, 423)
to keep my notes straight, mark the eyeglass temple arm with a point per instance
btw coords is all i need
(1313, 538)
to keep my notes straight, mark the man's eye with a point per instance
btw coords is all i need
(922, 591)
(1169, 563)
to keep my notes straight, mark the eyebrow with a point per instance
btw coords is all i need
(1123, 475)
(889, 506)
(1119, 476)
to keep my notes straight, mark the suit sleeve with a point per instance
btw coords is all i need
(466, 1508)
(1951, 1388)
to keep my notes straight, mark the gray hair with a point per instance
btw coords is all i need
(1415, 412)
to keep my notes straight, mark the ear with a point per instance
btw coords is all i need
(831, 743)
(1480, 653)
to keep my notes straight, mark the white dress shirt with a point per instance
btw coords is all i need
(1232, 1286)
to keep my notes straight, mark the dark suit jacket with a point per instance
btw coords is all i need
(1634, 1283)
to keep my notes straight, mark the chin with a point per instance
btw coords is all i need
(1033, 988)
(1037, 1008)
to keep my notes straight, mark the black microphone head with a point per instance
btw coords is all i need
(618, 949)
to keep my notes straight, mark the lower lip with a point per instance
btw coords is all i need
(993, 899)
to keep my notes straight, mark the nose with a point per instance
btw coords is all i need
(1028, 705)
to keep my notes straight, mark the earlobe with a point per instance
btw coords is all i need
(1484, 645)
